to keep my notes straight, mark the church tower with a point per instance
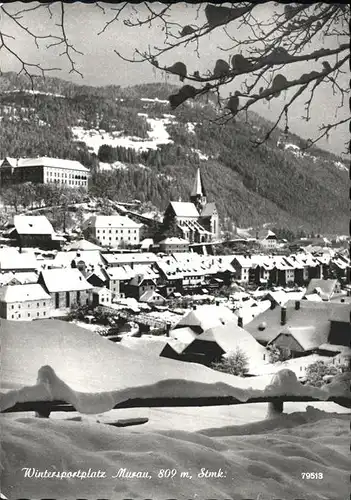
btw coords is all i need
(198, 193)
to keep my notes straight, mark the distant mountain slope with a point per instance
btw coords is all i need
(151, 153)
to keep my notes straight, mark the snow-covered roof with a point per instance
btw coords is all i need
(130, 258)
(111, 221)
(32, 224)
(122, 273)
(45, 161)
(151, 296)
(207, 316)
(172, 240)
(23, 293)
(230, 337)
(208, 209)
(62, 280)
(83, 245)
(184, 209)
(12, 259)
(324, 288)
(310, 317)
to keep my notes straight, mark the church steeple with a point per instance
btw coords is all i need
(198, 193)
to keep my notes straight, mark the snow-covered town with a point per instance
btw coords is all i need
(175, 272)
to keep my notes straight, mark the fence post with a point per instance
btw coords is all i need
(275, 408)
(43, 411)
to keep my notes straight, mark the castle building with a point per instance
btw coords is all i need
(43, 170)
(197, 220)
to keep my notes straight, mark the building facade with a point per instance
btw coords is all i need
(43, 170)
(112, 230)
(197, 220)
(24, 302)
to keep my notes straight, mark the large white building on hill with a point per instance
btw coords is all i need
(43, 170)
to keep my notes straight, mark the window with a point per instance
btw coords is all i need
(44, 313)
(28, 315)
(12, 306)
(44, 303)
(38, 314)
(38, 304)
(12, 316)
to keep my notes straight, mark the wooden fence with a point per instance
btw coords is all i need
(275, 404)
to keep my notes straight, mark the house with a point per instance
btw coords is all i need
(18, 278)
(173, 245)
(67, 287)
(101, 296)
(152, 298)
(35, 231)
(300, 327)
(267, 239)
(197, 220)
(116, 278)
(325, 289)
(24, 302)
(44, 170)
(192, 343)
(242, 266)
(112, 230)
(139, 285)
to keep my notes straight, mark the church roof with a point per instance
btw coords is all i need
(198, 188)
(184, 209)
(208, 210)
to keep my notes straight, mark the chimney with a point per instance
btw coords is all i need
(240, 322)
(194, 307)
(217, 302)
(297, 305)
(283, 316)
(168, 328)
(272, 304)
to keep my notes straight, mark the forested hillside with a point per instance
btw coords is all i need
(136, 147)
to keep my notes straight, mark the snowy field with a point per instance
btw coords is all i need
(253, 457)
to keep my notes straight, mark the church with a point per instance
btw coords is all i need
(197, 220)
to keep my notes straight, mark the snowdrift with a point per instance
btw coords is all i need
(257, 463)
(77, 366)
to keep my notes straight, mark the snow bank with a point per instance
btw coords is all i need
(257, 461)
(77, 366)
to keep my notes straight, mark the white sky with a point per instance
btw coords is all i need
(101, 66)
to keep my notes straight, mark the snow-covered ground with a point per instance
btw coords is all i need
(158, 135)
(253, 457)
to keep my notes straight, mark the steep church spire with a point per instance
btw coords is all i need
(198, 193)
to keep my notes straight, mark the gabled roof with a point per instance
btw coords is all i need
(12, 259)
(150, 296)
(206, 317)
(83, 245)
(65, 280)
(266, 234)
(311, 317)
(324, 288)
(230, 337)
(32, 224)
(184, 209)
(208, 209)
(111, 221)
(309, 337)
(23, 293)
(122, 273)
